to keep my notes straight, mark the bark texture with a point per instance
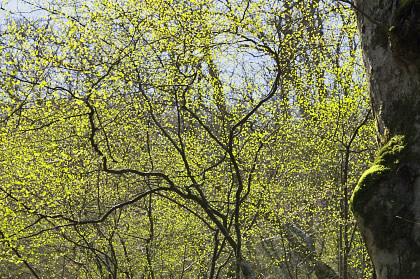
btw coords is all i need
(386, 202)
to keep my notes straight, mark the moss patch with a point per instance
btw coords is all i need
(384, 165)
(389, 154)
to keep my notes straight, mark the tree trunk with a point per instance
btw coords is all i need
(386, 201)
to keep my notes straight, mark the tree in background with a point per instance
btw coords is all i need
(182, 139)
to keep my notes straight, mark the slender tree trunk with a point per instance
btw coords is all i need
(386, 202)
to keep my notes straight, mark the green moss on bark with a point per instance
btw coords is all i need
(384, 165)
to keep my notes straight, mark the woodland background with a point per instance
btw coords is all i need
(181, 139)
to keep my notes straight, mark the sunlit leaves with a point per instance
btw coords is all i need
(239, 112)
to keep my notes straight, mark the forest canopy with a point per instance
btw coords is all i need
(181, 139)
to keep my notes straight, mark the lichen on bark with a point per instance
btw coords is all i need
(384, 165)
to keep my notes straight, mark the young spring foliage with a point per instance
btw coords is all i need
(164, 139)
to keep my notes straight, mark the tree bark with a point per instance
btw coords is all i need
(386, 201)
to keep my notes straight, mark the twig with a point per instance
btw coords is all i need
(363, 13)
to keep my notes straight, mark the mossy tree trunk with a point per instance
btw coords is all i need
(386, 202)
